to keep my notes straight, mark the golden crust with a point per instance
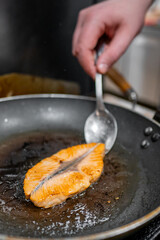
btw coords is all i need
(46, 189)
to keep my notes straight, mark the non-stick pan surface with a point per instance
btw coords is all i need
(124, 198)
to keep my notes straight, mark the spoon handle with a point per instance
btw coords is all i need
(99, 92)
(98, 78)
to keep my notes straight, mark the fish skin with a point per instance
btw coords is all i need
(45, 189)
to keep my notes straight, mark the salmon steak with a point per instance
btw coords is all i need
(64, 174)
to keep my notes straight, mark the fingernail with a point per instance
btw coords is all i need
(103, 67)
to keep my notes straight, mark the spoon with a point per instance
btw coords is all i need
(101, 125)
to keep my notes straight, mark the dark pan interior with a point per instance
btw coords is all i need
(34, 128)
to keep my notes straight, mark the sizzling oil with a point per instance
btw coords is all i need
(19, 216)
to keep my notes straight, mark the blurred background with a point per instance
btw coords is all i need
(35, 52)
(140, 65)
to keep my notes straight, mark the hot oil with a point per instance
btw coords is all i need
(93, 206)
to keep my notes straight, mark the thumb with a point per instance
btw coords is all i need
(114, 49)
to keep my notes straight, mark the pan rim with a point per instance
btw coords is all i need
(69, 96)
(106, 234)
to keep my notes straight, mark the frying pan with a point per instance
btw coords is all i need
(127, 195)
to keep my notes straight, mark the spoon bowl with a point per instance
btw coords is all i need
(101, 125)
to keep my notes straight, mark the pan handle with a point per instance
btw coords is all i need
(157, 115)
(126, 88)
(122, 83)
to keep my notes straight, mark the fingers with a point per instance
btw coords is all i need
(86, 59)
(85, 56)
(85, 39)
(114, 18)
(115, 49)
(76, 33)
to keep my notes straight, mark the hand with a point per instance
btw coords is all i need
(120, 20)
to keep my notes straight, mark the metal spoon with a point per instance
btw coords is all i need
(100, 126)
